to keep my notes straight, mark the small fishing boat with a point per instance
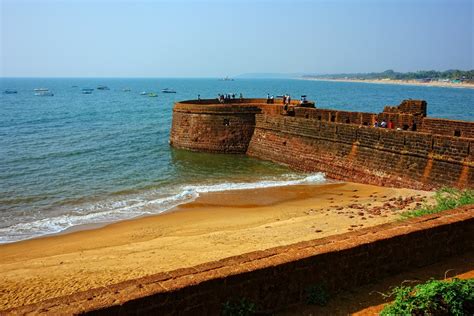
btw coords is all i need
(40, 89)
(10, 91)
(152, 95)
(87, 90)
(101, 87)
(143, 93)
(44, 94)
(168, 90)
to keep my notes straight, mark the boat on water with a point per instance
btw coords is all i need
(143, 93)
(152, 95)
(227, 79)
(44, 94)
(168, 90)
(10, 91)
(101, 87)
(87, 90)
(40, 89)
(126, 89)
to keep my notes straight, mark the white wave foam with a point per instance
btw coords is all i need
(136, 206)
(311, 179)
(98, 213)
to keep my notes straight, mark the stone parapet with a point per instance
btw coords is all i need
(279, 277)
(364, 154)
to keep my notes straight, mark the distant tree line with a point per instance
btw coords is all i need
(390, 74)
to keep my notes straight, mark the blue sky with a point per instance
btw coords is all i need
(225, 38)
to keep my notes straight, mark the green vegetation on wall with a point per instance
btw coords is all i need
(446, 199)
(434, 297)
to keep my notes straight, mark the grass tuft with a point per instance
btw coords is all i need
(446, 199)
(455, 297)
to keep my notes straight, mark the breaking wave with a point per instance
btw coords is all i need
(147, 203)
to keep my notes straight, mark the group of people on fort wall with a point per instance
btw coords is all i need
(384, 124)
(391, 125)
(286, 99)
(228, 98)
(224, 98)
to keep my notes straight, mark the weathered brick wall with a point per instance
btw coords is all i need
(415, 107)
(223, 128)
(402, 120)
(340, 143)
(448, 127)
(279, 277)
(211, 126)
(365, 154)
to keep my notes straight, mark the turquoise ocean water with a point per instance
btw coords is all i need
(75, 159)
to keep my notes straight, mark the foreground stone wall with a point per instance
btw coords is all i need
(364, 154)
(279, 277)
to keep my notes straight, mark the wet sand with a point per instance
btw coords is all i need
(215, 226)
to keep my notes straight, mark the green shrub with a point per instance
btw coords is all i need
(446, 199)
(434, 297)
(242, 307)
(317, 295)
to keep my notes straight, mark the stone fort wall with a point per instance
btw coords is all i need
(223, 128)
(419, 152)
(279, 277)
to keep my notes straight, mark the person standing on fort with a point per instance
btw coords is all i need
(376, 124)
(383, 124)
(390, 124)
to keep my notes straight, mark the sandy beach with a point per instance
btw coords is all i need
(215, 226)
(403, 82)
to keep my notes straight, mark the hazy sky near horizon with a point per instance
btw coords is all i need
(185, 38)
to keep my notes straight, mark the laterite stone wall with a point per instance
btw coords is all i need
(418, 152)
(365, 154)
(219, 128)
(279, 277)
(448, 127)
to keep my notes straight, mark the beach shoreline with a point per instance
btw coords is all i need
(215, 226)
(400, 82)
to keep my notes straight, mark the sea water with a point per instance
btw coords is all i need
(74, 159)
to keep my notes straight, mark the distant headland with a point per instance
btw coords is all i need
(449, 78)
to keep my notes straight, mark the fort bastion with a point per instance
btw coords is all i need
(418, 152)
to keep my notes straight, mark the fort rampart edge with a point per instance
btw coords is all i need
(419, 152)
